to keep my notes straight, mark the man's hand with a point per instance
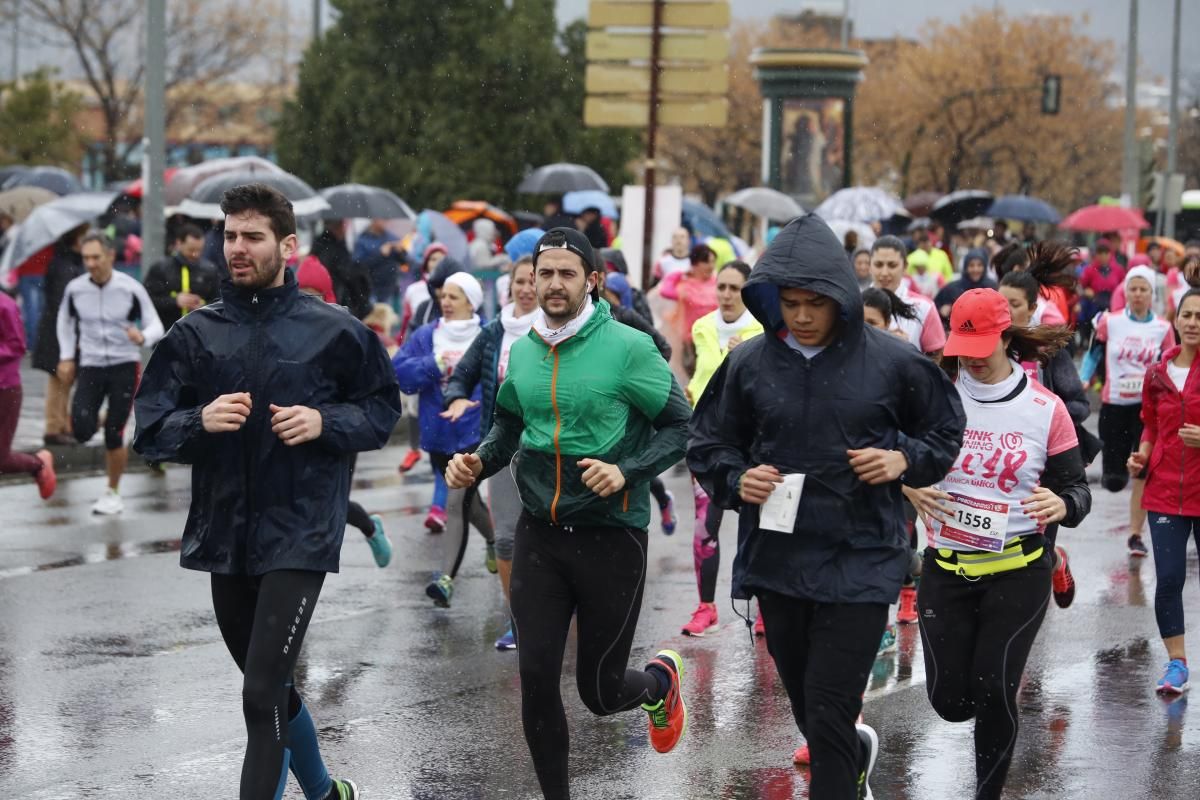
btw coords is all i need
(295, 424)
(875, 466)
(603, 479)
(457, 408)
(188, 301)
(135, 335)
(65, 371)
(463, 470)
(227, 413)
(1190, 435)
(757, 483)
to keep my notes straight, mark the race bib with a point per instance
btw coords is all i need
(779, 512)
(978, 524)
(1127, 387)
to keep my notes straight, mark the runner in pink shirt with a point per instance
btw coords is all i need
(888, 263)
(696, 293)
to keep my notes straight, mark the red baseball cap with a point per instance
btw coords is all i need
(976, 322)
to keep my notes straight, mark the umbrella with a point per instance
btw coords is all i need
(205, 200)
(137, 189)
(9, 171)
(703, 221)
(464, 212)
(960, 205)
(55, 179)
(920, 223)
(523, 243)
(17, 203)
(445, 230)
(921, 203)
(1023, 208)
(1101, 219)
(181, 184)
(561, 178)
(977, 223)
(860, 204)
(1165, 242)
(766, 203)
(840, 227)
(366, 202)
(46, 223)
(578, 202)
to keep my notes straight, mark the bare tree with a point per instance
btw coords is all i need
(208, 41)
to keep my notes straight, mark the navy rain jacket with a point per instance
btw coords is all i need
(259, 505)
(768, 404)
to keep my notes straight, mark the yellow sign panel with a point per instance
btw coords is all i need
(604, 46)
(634, 112)
(606, 13)
(625, 79)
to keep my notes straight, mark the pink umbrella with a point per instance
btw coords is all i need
(1105, 218)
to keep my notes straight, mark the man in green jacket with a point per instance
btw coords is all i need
(592, 413)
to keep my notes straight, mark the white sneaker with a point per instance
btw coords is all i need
(870, 745)
(109, 503)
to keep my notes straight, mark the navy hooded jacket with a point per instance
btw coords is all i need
(768, 404)
(259, 505)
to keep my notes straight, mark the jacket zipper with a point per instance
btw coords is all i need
(254, 400)
(1183, 451)
(557, 431)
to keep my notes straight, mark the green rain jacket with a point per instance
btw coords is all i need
(606, 394)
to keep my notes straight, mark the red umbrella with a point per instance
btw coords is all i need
(135, 189)
(1105, 218)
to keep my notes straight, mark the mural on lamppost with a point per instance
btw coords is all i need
(813, 152)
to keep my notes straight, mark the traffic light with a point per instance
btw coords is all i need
(1051, 93)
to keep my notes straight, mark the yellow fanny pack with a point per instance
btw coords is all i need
(1020, 553)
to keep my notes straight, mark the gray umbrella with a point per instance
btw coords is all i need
(365, 202)
(55, 179)
(766, 203)
(562, 178)
(46, 223)
(204, 202)
(860, 204)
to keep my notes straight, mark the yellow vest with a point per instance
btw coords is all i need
(709, 354)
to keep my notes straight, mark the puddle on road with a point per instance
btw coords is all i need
(113, 551)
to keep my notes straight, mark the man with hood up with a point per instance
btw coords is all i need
(808, 432)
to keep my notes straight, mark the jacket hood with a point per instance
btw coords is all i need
(615, 257)
(619, 284)
(805, 255)
(984, 281)
(445, 268)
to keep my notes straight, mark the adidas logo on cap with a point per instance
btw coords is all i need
(966, 327)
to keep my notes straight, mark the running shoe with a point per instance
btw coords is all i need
(802, 758)
(1137, 548)
(1175, 678)
(381, 546)
(1063, 581)
(410, 460)
(907, 613)
(888, 643)
(489, 560)
(669, 521)
(869, 741)
(436, 520)
(46, 477)
(109, 503)
(156, 468)
(703, 618)
(668, 717)
(342, 790)
(760, 628)
(508, 641)
(440, 589)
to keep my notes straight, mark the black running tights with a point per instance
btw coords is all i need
(977, 635)
(263, 620)
(598, 574)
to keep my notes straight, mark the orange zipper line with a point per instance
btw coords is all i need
(557, 431)
(625, 503)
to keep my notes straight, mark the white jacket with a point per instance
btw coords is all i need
(96, 317)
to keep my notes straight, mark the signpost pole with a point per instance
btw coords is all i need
(651, 137)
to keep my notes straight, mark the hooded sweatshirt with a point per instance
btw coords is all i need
(769, 404)
(956, 289)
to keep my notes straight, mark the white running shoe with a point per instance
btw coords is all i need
(870, 744)
(109, 503)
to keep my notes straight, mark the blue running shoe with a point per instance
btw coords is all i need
(669, 520)
(888, 643)
(1175, 678)
(440, 589)
(381, 546)
(508, 641)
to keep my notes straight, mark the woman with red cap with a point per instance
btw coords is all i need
(986, 581)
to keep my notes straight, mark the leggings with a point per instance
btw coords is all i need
(1120, 429)
(92, 386)
(706, 543)
(824, 653)
(10, 413)
(263, 620)
(356, 515)
(464, 508)
(659, 490)
(598, 574)
(977, 635)
(1169, 536)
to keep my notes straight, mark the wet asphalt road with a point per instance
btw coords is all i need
(114, 682)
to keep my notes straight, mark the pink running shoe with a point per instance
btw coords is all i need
(436, 521)
(703, 618)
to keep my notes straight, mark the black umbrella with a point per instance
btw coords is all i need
(204, 202)
(365, 202)
(963, 204)
(54, 179)
(560, 179)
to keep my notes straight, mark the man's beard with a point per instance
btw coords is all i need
(574, 306)
(263, 275)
